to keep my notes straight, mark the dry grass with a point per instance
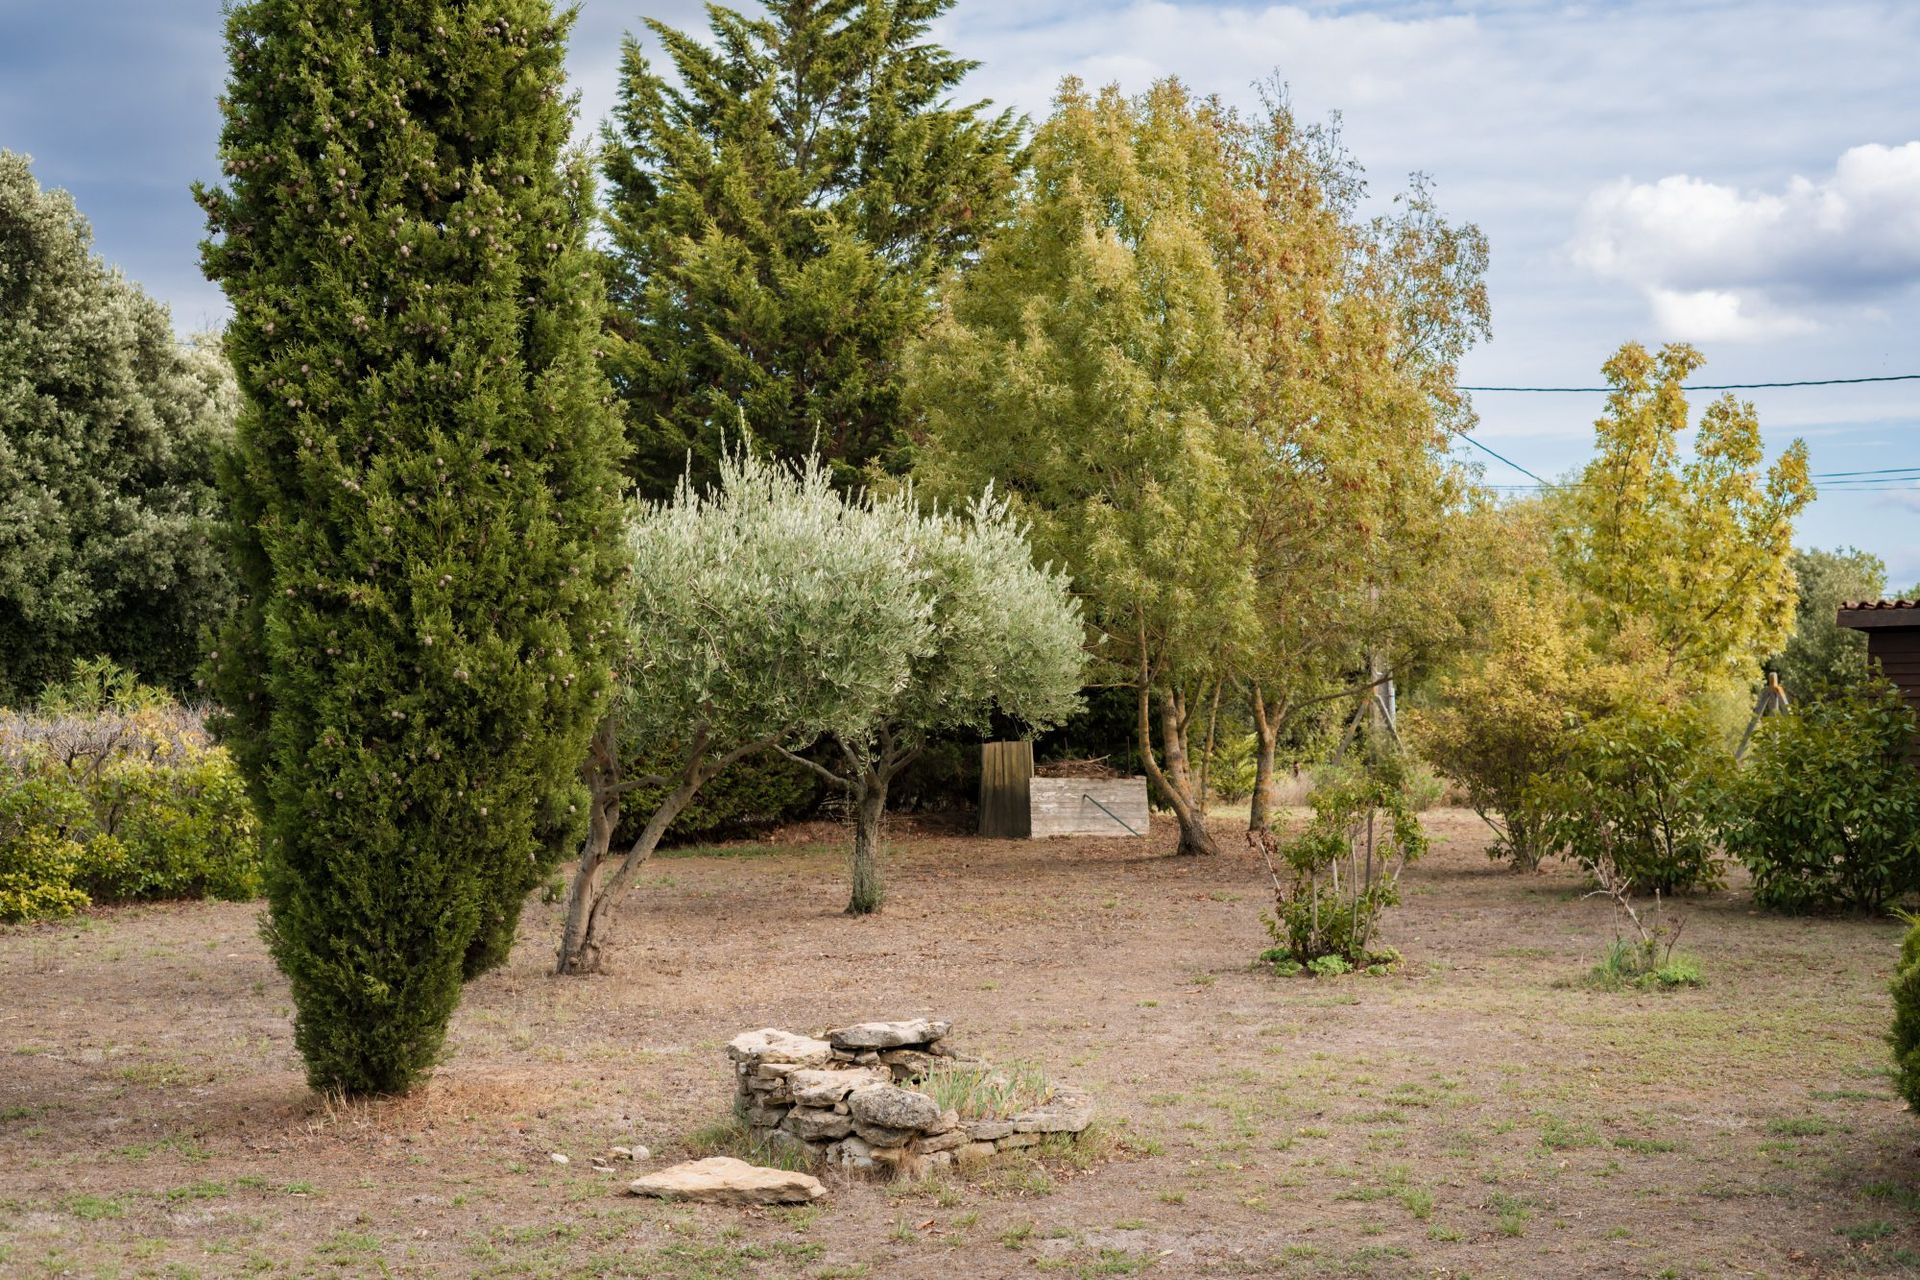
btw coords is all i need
(1480, 1112)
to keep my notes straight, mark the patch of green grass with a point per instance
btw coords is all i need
(1443, 1233)
(1799, 1127)
(91, 1208)
(1016, 1236)
(1557, 1135)
(1417, 1201)
(1646, 1146)
(1511, 1214)
(198, 1191)
(1861, 1233)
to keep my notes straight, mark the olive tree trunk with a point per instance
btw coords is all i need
(591, 902)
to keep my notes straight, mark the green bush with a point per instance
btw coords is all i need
(1344, 869)
(109, 793)
(1905, 1036)
(1826, 813)
(1639, 791)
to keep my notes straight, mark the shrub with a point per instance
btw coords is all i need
(1639, 792)
(1905, 1036)
(1344, 869)
(1643, 966)
(1826, 813)
(109, 792)
(1512, 716)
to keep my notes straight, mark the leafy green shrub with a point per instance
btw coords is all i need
(1905, 1036)
(1826, 813)
(110, 792)
(1344, 869)
(1639, 791)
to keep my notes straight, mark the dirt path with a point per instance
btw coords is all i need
(1478, 1113)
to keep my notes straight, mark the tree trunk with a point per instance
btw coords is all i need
(1172, 781)
(1266, 736)
(590, 905)
(870, 809)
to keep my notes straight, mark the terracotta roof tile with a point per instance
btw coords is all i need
(1882, 604)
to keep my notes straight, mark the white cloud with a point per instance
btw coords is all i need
(1716, 262)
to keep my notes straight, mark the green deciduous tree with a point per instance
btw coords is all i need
(426, 495)
(1821, 656)
(1088, 366)
(1006, 639)
(1353, 329)
(1696, 555)
(765, 612)
(778, 221)
(108, 433)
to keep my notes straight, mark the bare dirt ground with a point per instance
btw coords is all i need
(1476, 1113)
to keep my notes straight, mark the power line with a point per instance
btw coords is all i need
(1509, 461)
(1720, 386)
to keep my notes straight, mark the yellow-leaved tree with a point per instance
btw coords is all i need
(1692, 558)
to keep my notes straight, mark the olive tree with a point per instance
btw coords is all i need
(763, 613)
(1006, 638)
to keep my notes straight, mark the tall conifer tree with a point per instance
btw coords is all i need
(425, 491)
(779, 222)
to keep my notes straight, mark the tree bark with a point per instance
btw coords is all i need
(590, 906)
(1266, 736)
(1172, 781)
(870, 809)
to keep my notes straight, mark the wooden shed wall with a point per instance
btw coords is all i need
(1005, 770)
(1898, 652)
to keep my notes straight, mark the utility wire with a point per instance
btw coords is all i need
(1721, 386)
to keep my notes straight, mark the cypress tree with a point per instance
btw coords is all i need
(780, 223)
(425, 490)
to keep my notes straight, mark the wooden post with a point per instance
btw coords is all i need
(1005, 769)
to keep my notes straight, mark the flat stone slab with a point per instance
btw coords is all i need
(889, 1035)
(824, 1088)
(725, 1180)
(772, 1045)
(1065, 1112)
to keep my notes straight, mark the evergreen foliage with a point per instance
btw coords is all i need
(779, 220)
(108, 433)
(1826, 812)
(1905, 1036)
(425, 496)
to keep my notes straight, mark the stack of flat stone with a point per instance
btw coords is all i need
(841, 1100)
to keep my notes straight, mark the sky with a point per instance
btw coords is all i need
(1743, 176)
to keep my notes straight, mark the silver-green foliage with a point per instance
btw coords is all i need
(763, 613)
(1005, 638)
